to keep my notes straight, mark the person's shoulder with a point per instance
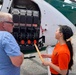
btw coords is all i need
(6, 33)
(64, 49)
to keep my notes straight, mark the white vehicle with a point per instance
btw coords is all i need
(35, 21)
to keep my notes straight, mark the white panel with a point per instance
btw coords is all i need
(6, 5)
(50, 19)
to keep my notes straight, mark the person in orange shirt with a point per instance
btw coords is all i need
(62, 56)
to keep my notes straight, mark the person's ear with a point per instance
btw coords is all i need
(3, 25)
(61, 34)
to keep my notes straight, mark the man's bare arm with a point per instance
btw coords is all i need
(17, 60)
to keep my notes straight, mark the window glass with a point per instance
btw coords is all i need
(1, 2)
(73, 0)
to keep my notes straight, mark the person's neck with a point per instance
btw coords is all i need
(62, 42)
(1, 29)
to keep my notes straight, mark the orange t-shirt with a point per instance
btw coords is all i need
(60, 57)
